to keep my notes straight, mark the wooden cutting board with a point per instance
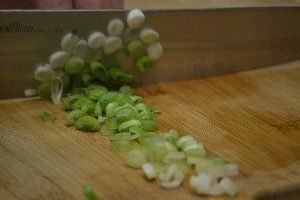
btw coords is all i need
(250, 118)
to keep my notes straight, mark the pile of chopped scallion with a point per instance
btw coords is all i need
(99, 98)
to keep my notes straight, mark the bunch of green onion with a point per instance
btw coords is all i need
(100, 100)
(100, 59)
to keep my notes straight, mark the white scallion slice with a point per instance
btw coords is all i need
(184, 139)
(136, 158)
(135, 19)
(228, 186)
(96, 40)
(167, 176)
(131, 35)
(81, 48)
(201, 183)
(115, 27)
(173, 155)
(149, 171)
(112, 44)
(192, 147)
(171, 184)
(43, 73)
(149, 36)
(30, 92)
(216, 189)
(191, 160)
(231, 169)
(59, 58)
(69, 41)
(155, 50)
(56, 90)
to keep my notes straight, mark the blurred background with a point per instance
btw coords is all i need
(117, 4)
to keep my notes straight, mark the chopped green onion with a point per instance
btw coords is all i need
(130, 35)
(231, 169)
(74, 65)
(69, 41)
(96, 40)
(115, 27)
(111, 123)
(135, 19)
(149, 125)
(86, 123)
(66, 79)
(80, 49)
(127, 124)
(155, 51)
(138, 130)
(47, 116)
(121, 136)
(98, 110)
(120, 146)
(149, 171)
(125, 114)
(136, 158)
(126, 89)
(107, 97)
(73, 116)
(184, 140)
(43, 73)
(93, 55)
(173, 155)
(143, 63)
(98, 71)
(149, 36)
(59, 59)
(121, 56)
(171, 136)
(56, 90)
(216, 189)
(112, 44)
(44, 90)
(87, 79)
(67, 102)
(136, 48)
(110, 109)
(89, 193)
(228, 186)
(107, 131)
(148, 138)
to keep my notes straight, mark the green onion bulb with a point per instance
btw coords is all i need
(143, 63)
(96, 40)
(155, 51)
(80, 48)
(43, 73)
(74, 65)
(149, 36)
(112, 44)
(69, 41)
(136, 48)
(59, 58)
(115, 27)
(135, 19)
(44, 90)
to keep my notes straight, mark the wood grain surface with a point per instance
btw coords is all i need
(250, 118)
